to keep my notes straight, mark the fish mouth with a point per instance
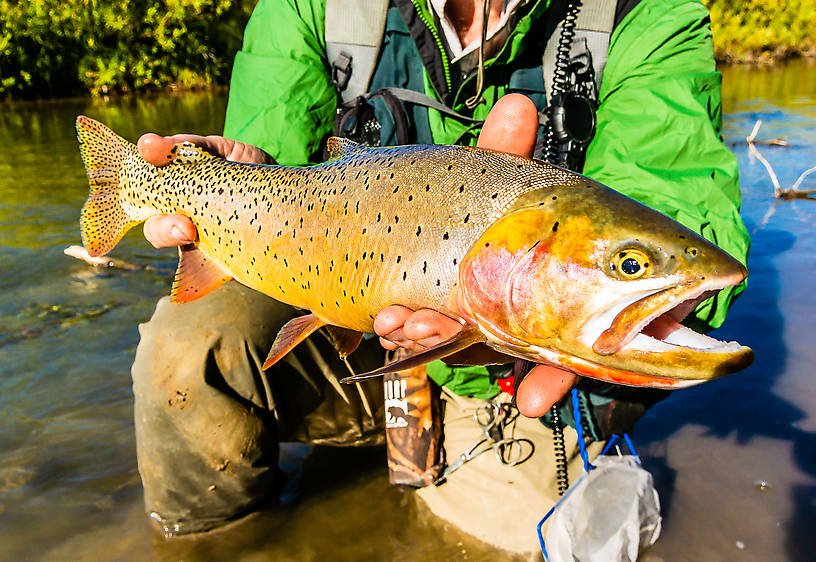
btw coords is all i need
(652, 323)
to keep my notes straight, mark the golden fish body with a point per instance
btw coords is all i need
(537, 262)
(343, 239)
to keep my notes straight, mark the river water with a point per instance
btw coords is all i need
(734, 460)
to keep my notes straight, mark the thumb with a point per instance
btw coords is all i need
(511, 126)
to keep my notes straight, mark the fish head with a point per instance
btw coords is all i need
(585, 278)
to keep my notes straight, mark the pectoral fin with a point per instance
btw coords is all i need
(344, 340)
(292, 333)
(462, 340)
(196, 276)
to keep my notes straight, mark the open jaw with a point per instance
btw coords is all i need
(651, 323)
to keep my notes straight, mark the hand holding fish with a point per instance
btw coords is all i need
(164, 231)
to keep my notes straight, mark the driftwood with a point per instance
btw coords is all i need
(794, 192)
(80, 253)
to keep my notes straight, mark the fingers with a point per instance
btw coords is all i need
(157, 149)
(543, 386)
(388, 325)
(399, 326)
(428, 327)
(164, 231)
(511, 126)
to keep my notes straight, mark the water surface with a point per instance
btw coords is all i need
(69, 488)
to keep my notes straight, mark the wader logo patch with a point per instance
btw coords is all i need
(396, 406)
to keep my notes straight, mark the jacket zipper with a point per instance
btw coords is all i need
(439, 44)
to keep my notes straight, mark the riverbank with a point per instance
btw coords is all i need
(65, 48)
(59, 49)
(758, 31)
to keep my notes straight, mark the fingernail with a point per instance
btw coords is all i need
(176, 233)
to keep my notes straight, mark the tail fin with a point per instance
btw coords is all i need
(103, 221)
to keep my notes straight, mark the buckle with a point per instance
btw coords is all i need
(341, 71)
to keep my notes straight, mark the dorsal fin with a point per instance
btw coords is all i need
(338, 147)
(196, 276)
(290, 335)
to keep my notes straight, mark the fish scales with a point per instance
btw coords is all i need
(537, 262)
(344, 239)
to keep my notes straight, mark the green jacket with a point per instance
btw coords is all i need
(659, 123)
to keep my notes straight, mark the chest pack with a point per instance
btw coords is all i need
(381, 104)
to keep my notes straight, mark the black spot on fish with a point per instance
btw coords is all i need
(424, 267)
(419, 230)
(555, 226)
(445, 236)
(467, 218)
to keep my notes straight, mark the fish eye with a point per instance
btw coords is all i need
(630, 264)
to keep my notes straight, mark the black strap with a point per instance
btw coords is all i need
(393, 99)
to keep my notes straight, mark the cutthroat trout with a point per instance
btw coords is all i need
(537, 262)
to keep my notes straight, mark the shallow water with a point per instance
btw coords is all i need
(69, 488)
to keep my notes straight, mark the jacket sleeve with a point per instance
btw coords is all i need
(659, 129)
(281, 97)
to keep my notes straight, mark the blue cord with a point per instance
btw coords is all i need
(579, 429)
(576, 411)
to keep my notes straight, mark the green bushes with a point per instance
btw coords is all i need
(762, 30)
(58, 48)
